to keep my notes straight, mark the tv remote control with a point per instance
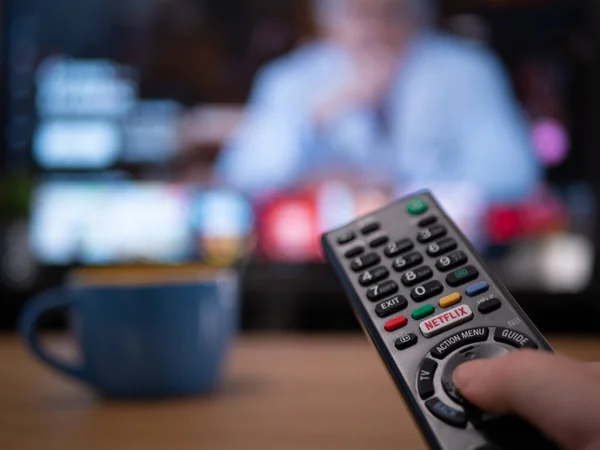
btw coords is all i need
(429, 303)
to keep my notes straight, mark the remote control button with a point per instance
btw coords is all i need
(416, 276)
(446, 413)
(373, 276)
(397, 248)
(462, 276)
(423, 312)
(426, 291)
(452, 261)
(429, 234)
(396, 324)
(391, 307)
(442, 247)
(346, 238)
(469, 353)
(425, 378)
(407, 341)
(478, 288)
(417, 207)
(514, 338)
(379, 241)
(382, 291)
(490, 305)
(427, 221)
(450, 300)
(446, 321)
(407, 262)
(354, 251)
(365, 262)
(461, 339)
(370, 228)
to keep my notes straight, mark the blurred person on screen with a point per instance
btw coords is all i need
(382, 95)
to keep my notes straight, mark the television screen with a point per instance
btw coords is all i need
(280, 120)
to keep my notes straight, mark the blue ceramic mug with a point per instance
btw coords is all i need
(144, 341)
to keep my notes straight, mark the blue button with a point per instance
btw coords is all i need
(477, 289)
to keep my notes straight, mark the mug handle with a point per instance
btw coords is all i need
(34, 310)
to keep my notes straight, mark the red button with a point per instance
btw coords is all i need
(396, 324)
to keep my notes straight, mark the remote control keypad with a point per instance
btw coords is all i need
(374, 275)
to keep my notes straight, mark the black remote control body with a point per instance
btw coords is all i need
(429, 303)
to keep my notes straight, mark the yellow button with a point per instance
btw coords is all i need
(450, 300)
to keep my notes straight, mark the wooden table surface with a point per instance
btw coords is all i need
(279, 392)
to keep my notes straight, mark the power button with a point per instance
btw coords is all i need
(417, 207)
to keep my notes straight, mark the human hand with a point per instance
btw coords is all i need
(371, 81)
(559, 396)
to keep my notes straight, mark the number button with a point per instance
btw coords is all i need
(442, 247)
(373, 276)
(365, 262)
(407, 262)
(397, 248)
(451, 261)
(416, 276)
(382, 291)
(426, 291)
(429, 234)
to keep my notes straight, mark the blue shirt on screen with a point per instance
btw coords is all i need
(451, 116)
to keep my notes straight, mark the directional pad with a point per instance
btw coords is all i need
(471, 353)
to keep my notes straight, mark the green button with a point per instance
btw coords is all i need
(462, 273)
(417, 207)
(423, 312)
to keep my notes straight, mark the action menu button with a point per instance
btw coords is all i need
(416, 276)
(407, 262)
(425, 378)
(382, 291)
(442, 247)
(514, 338)
(429, 234)
(365, 262)
(454, 342)
(426, 291)
(462, 276)
(397, 248)
(392, 306)
(446, 413)
(373, 276)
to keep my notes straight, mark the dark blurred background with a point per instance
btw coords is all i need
(114, 114)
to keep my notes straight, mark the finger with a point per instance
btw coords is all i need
(559, 396)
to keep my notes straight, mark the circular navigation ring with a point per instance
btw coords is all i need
(471, 353)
